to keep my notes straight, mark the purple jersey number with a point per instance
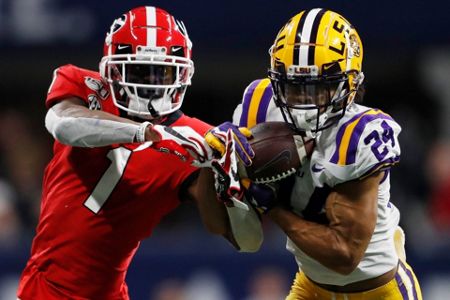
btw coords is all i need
(379, 148)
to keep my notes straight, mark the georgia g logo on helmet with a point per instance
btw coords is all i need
(315, 69)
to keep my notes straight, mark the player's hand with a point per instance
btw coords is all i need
(216, 140)
(262, 196)
(227, 185)
(184, 142)
(265, 196)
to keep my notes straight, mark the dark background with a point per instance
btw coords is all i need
(406, 63)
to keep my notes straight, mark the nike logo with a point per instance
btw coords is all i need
(176, 49)
(331, 67)
(316, 169)
(285, 155)
(120, 47)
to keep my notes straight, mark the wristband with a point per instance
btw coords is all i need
(140, 133)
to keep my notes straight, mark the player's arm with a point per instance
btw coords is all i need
(241, 227)
(72, 123)
(352, 212)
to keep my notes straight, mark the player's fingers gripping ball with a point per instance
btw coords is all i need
(227, 185)
(262, 196)
(216, 140)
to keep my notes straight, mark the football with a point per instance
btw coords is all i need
(279, 152)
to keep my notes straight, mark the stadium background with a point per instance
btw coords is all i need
(406, 63)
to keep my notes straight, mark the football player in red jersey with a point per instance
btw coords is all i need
(107, 187)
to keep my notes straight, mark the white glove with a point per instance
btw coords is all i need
(184, 142)
(227, 185)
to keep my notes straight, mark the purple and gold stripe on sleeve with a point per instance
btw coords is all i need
(407, 282)
(256, 102)
(381, 166)
(349, 133)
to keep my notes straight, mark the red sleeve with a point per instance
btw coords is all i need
(187, 174)
(67, 82)
(201, 126)
(198, 125)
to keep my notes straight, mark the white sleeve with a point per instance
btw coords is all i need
(91, 132)
(379, 147)
(237, 114)
(246, 228)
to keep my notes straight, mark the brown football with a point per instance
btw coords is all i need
(279, 152)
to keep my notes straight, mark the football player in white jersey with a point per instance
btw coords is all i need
(339, 221)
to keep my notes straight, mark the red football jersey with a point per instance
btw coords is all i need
(98, 204)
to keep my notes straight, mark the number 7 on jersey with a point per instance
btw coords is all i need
(119, 158)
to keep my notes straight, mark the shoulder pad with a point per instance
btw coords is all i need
(69, 71)
(255, 103)
(366, 143)
(71, 81)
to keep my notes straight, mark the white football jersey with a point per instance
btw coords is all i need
(363, 141)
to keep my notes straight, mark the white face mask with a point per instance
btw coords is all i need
(171, 84)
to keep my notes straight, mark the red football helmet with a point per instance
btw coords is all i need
(147, 62)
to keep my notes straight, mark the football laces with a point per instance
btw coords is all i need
(277, 177)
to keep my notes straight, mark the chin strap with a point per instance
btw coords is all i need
(357, 81)
(359, 78)
(152, 110)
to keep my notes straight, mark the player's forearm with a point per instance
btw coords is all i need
(246, 228)
(73, 124)
(212, 212)
(242, 228)
(320, 242)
